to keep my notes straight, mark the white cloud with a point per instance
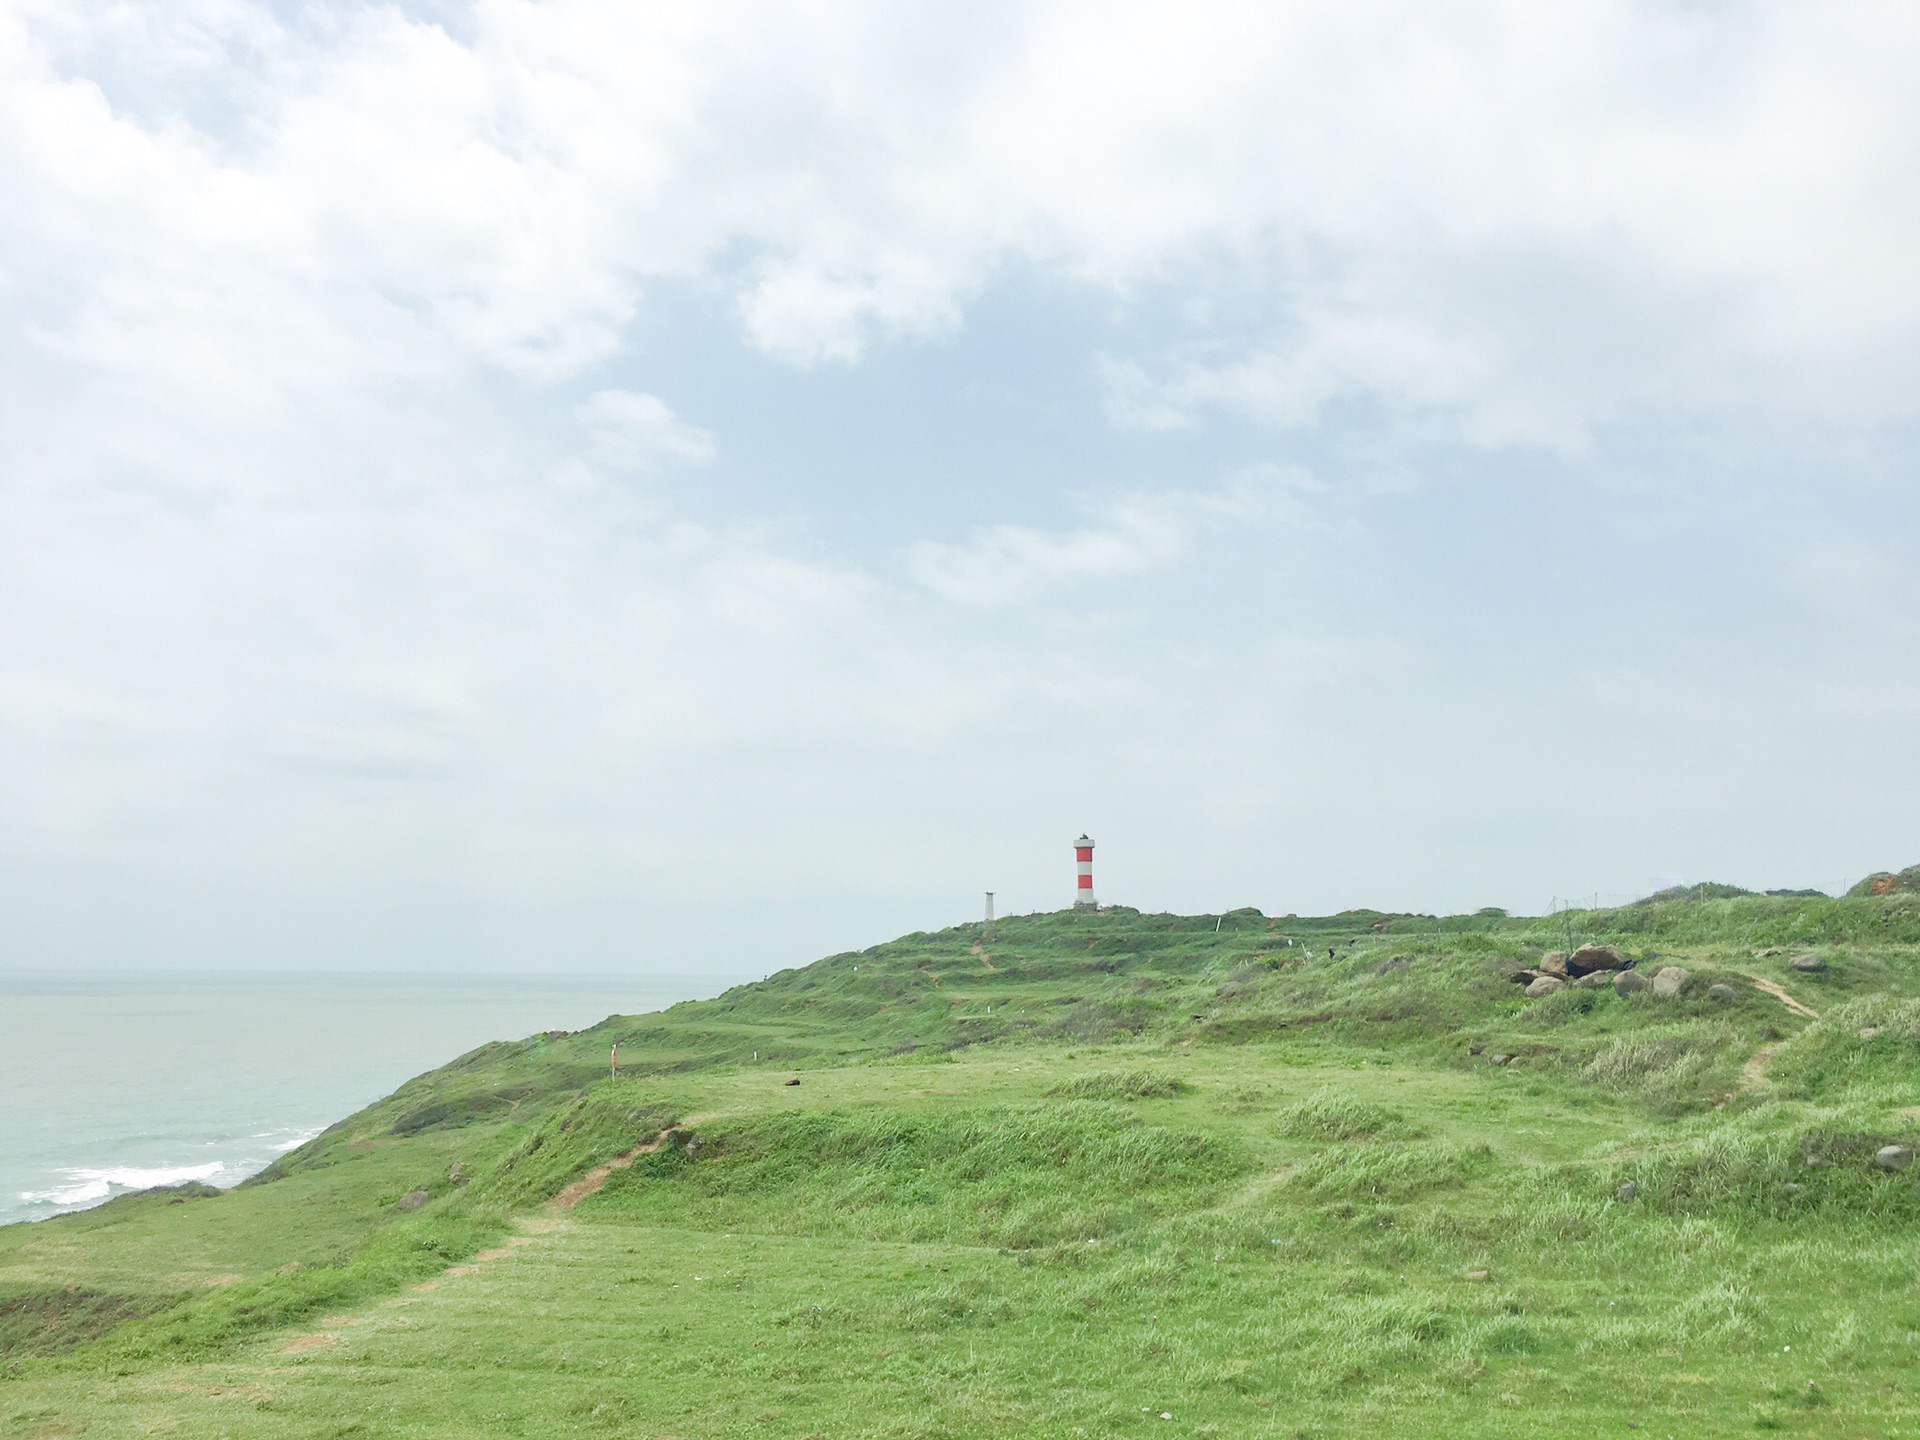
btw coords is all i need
(1536, 220)
(1007, 565)
(636, 431)
(318, 329)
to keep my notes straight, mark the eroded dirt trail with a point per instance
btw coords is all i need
(590, 1183)
(1779, 992)
(1754, 1072)
(533, 1228)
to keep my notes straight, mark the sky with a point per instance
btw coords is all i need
(600, 485)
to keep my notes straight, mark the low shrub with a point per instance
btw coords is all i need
(1121, 1085)
(1330, 1115)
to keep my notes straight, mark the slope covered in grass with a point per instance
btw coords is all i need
(1063, 1175)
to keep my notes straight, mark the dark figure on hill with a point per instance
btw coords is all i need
(1329, 952)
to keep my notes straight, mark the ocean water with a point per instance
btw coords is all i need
(118, 1082)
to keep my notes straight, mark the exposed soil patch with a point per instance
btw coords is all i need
(591, 1182)
(1779, 993)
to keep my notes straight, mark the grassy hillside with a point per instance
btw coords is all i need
(1076, 1174)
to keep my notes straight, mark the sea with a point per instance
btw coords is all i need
(111, 1083)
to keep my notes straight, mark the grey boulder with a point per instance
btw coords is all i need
(1669, 982)
(1808, 964)
(1893, 1157)
(1629, 982)
(1546, 985)
(412, 1200)
(1595, 957)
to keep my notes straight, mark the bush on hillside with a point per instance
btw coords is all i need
(1769, 1176)
(1886, 882)
(1392, 1173)
(1671, 1070)
(1683, 894)
(1012, 1176)
(1330, 1115)
(1873, 1040)
(1121, 1085)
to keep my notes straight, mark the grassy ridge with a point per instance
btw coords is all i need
(1321, 1176)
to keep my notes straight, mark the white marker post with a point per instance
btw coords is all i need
(613, 1063)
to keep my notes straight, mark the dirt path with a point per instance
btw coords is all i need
(562, 1202)
(590, 1183)
(1779, 993)
(1754, 1072)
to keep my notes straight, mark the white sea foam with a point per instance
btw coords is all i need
(89, 1187)
(86, 1186)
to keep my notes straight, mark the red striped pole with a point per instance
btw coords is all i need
(1083, 893)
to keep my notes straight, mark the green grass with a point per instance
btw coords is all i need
(1063, 1175)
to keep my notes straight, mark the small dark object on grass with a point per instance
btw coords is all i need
(794, 1081)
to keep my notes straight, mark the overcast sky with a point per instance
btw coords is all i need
(586, 485)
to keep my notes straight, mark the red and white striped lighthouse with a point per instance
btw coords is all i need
(1083, 853)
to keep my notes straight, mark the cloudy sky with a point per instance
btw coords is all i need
(607, 484)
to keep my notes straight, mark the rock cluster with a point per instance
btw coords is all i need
(1590, 965)
(1593, 967)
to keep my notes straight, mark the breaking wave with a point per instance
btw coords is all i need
(81, 1187)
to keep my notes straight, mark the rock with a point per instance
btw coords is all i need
(1627, 1193)
(1808, 964)
(1893, 1157)
(1629, 982)
(457, 1175)
(412, 1200)
(1545, 985)
(1524, 977)
(1669, 982)
(1499, 1059)
(794, 1081)
(1476, 1048)
(1867, 1032)
(1595, 980)
(1553, 963)
(1589, 958)
(1720, 994)
(1479, 1277)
